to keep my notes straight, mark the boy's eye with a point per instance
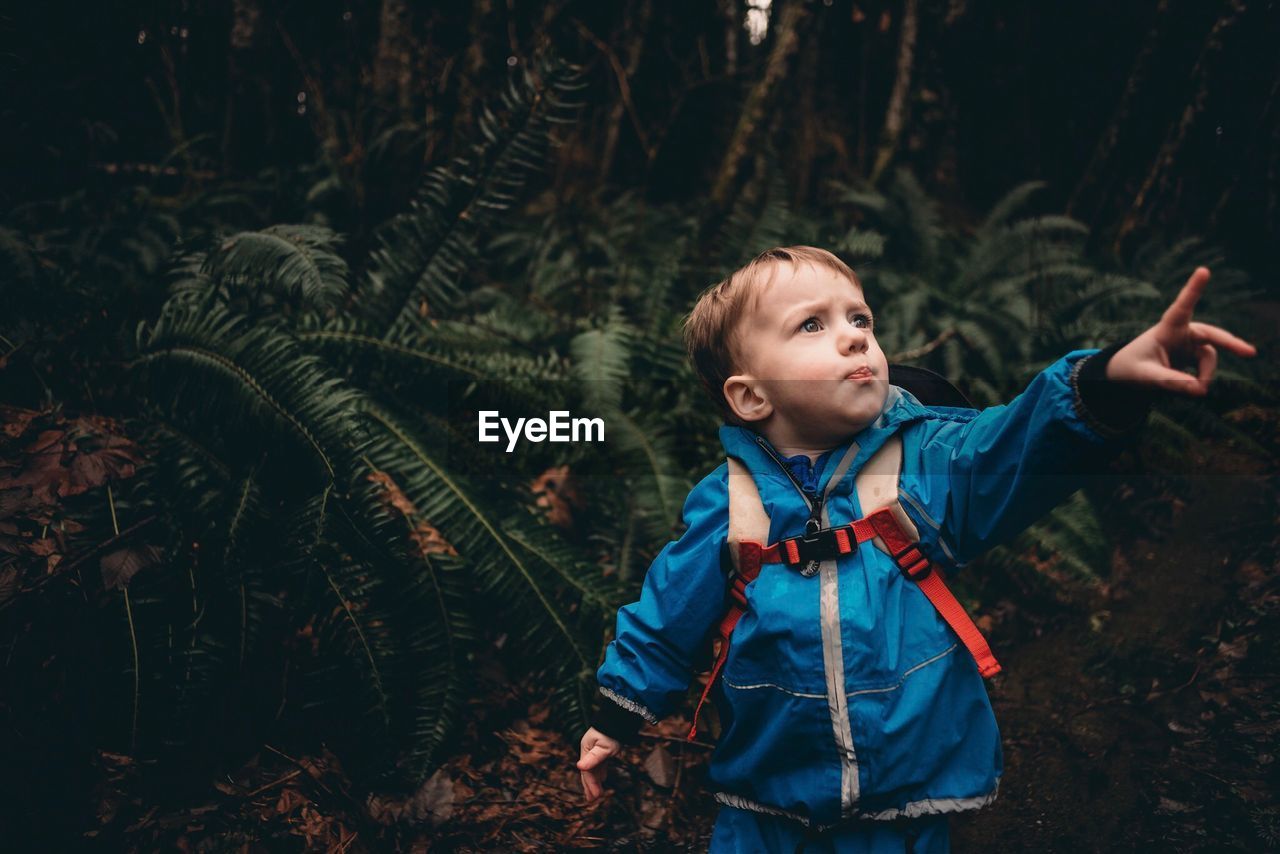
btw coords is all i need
(811, 324)
(865, 319)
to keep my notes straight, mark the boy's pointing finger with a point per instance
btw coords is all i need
(1184, 304)
(1207, 332)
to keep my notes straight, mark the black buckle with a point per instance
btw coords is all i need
(818, 545)
(918, 570)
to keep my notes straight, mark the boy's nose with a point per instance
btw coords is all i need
(853, 339)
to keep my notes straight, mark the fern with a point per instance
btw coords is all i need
(424, 254)
(295, 261)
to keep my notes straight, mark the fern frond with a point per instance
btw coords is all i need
(294, 261)
(476, 529)
(423, 254)
(1012, 202)
(249, 378)
(602, 361)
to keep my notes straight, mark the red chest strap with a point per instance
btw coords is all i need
(829, 543)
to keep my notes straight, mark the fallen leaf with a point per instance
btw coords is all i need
(1168, 805)
(432, 803)
(1234, 651)
(556, 491)
(660, 767)
(121, 565)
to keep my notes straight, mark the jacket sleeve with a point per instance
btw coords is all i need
(983, 476)
(648, 666)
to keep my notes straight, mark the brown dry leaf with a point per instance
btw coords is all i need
(99, 457)
(47, 442)
(1234, 651)
(1222, 698)
(557, 491)
(17, 420)
(392, 492)
(432, 803)
(428, 540)
(119, 567)
(660, 767)
(1169, 805)
(653, 816)
(311, 766)
(8, 584)
(290, 800)
(42, 548)
(532, 746)
(312, 826)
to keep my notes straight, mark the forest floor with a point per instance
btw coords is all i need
(1138, 711)
(1143, 713)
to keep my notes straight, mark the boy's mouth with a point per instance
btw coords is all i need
(862, 375)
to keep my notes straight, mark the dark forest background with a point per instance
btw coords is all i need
(262, 262)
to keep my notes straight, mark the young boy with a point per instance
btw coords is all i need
(850, 713)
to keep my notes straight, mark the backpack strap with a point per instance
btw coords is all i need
(897, 536)
(748, 531)
(885, 523)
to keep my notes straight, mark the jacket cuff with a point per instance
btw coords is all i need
(619, 723)
(1111, 409)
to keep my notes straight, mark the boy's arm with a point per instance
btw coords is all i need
(648, 666)
(983, 478)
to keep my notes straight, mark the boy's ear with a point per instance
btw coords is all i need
(743, 394)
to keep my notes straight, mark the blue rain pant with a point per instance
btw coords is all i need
(746, 832)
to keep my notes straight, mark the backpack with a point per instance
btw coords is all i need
(885, 523)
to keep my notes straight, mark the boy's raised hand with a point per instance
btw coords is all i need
(1152, 359)
(596, 748)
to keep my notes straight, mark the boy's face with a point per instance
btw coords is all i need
(812, 372)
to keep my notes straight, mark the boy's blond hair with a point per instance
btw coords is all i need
(712, 328)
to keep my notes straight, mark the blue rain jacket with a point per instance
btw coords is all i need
(844, 694)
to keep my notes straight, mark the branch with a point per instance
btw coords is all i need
(926, 349)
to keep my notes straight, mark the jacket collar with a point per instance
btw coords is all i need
(753, 450)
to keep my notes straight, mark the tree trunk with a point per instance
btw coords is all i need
(1107, 142)
(469, 86)
(785, 41)
(732, 32)
(1260, 138)
(895, 115)
(1158, 177)
(633, 30)
(393, 61)
(245, 16)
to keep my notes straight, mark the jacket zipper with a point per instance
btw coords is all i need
(814, 499)
(849, 788)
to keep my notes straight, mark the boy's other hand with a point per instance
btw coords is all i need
(1152, 359)
(596, 748)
